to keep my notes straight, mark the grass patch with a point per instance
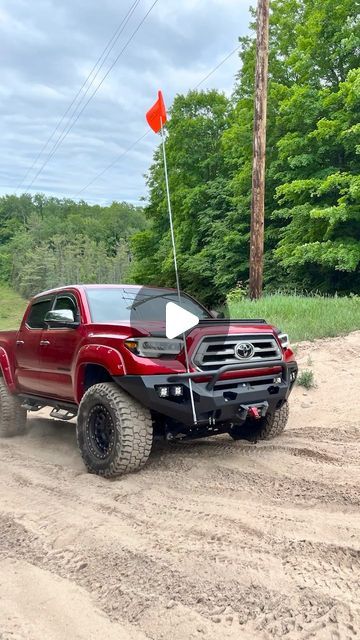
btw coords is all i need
(12, 307)
(306, 379)
(303, 317)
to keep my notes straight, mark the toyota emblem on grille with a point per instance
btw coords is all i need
(244, 350)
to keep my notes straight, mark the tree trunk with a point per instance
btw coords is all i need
(259, 150)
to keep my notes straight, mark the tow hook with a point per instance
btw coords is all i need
(254, 413)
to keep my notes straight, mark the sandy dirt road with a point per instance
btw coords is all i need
(213, 540)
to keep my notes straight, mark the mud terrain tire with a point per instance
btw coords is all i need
(114, 432)
(264, 429)
(12, 415)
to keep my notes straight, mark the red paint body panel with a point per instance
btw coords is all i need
(5, 360)
(56, 370)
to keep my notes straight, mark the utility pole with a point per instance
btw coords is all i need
(259, 150)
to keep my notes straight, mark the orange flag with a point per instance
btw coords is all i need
(156, 116)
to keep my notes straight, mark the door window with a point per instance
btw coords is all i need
(37, 313)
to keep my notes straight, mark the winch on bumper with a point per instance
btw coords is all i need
(217, 401)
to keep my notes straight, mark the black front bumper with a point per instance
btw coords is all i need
(216, 401)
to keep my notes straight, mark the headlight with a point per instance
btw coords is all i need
(154, 347)
(284, 340)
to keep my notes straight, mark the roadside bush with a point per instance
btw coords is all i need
(238, 294)
(306, 379)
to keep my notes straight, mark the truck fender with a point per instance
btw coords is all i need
(107, 357)
(5, 370)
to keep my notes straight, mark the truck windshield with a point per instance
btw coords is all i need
(119, 304)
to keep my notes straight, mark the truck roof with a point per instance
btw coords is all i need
(82, 287)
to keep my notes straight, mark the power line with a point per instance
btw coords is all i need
(124, 153)
(217, 67)
(76, 116)
(109, 166)
(100, 61)
(67, 131)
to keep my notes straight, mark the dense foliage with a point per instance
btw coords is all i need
(313, 165)
(46, 242)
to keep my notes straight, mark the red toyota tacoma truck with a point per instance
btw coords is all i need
(100, 352)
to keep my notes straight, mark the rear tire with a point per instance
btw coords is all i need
(114, 431)
(12, 415)
(264, 429)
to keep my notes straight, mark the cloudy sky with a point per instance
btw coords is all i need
(47, 49)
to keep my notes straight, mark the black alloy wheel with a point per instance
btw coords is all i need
(100, 432)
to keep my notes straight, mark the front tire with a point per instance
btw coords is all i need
(12, 415)
(265, 428)
(114, 432)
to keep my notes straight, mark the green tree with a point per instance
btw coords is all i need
(312, 146)
(319, 194)
(47, 242)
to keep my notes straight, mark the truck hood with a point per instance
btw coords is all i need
(212, 326)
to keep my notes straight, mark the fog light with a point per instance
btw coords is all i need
(176, 390)
(293, 376)
(277, 380)
(163, 392)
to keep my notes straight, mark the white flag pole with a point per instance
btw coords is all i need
(176, 266)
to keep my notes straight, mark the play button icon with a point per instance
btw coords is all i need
(178, 320)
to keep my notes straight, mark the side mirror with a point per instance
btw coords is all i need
(61, 318)
(216, 314)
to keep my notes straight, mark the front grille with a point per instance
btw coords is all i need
(214, 352)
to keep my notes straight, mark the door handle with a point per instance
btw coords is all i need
(44, 343)
(20, 342)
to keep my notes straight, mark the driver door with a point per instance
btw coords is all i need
(58, 348)
(27, 347)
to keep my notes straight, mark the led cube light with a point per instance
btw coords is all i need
(177, 390)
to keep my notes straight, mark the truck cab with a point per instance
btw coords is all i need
(100, 353)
